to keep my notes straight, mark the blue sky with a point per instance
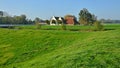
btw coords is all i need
(44, 9)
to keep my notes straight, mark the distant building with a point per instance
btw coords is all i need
(70, 20)
(56, 20)
(42, 22)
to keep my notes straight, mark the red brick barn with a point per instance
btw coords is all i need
(70, 20)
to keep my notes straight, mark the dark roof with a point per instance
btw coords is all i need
(56, 18)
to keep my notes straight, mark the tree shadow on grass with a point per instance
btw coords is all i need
(89, 30)
(50, 29)
(108, 29)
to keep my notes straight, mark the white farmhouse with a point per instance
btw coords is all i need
(56, 20)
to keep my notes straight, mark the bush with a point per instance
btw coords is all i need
(18, 27)
(63, 26)
(38, 25)
(11, 27)
(98, 26)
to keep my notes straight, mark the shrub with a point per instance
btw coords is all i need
(38, 25)
(18, 27)
(63, 26)
(11, 27)
(98, 26)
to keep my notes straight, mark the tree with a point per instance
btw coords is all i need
(86, 18)
(48, 22)
(14, 20)
(23, 19)
(17, 20)
(29, 21)
(1, 13)
(37, 19)
(37, 23)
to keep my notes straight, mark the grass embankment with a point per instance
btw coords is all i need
(30, 48)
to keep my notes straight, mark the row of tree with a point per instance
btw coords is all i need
(109, 21)
(85, 18)
(15, 20)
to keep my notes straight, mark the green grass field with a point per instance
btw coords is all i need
(55, 48)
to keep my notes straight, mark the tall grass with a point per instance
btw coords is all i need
(30, 48)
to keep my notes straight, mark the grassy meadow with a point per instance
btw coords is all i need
(51, 47)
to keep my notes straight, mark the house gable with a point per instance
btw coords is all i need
(55, 20)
